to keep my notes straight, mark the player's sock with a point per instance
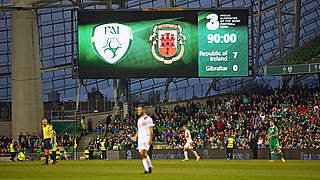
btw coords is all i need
(145, 164)
(51, 156)
(272, 155)
(195, 154)
(280, 153)
(185, 155)
(149, 161)
(47, 158)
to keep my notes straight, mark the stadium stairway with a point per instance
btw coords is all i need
(84, 142)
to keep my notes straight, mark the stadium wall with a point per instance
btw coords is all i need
(5, 128)
(291, 154)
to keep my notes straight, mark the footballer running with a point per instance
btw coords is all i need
(188, 145)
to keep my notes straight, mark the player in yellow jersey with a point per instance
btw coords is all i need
(47, 136)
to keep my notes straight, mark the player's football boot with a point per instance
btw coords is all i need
(185, 160)
(148, 172)
(198, 158)
(271, 161)
(282, 159)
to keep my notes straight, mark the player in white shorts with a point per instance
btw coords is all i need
(188, 145)
(144, 134)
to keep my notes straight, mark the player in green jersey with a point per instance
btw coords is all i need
(273, 139)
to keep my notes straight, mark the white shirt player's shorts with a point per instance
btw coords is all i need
(143, 143)
(188, 145)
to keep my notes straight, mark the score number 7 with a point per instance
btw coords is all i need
(235, 54)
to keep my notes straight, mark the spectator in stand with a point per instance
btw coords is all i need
(98, 127)
(177, 109)
(105, 129)
(117, 117)
(91, 148)
(158, 110)
(90, 125)
(98, 140)
(83, 126)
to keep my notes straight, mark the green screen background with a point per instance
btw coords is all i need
(241, 45)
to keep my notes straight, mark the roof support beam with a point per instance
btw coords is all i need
(296, 31)
(165, 94)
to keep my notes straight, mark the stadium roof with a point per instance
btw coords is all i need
(266, 43)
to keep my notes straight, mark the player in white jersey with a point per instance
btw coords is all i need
(188, 145)
(144, 134)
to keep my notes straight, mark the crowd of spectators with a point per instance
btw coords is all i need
(33, 143)
(295, 110)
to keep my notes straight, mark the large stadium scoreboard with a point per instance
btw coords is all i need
(187, 43)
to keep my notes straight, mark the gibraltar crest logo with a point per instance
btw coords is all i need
(111, 42)
(167, 42)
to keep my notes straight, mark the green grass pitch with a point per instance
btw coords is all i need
(163, 169)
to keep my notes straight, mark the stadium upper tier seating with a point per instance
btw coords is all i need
(307, 53)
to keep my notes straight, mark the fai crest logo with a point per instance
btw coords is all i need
(111, 42)
(167, 42)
